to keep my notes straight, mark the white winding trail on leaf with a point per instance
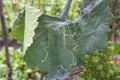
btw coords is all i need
(45, 56)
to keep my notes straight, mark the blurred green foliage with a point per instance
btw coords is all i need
(20, 71)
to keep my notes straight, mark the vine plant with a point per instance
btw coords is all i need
(57, 45)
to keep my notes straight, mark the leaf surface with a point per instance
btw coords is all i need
(31, 17)
(58, 43)
(24, 24)
(91, 28)
(18, 25)
(50, 50)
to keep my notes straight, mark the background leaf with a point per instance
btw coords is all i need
(18, 25)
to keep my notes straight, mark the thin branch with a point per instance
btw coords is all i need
(84, 4)
(76, 72)
(5, 36)
(64, 13)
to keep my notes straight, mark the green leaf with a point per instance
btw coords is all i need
(24, 25)
(31, 17)
(18, 27)
(91, 28)
(57, 43)
(50, 48)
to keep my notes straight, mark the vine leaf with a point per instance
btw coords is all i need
(31, 17)
(24, 24)
(58, 43)
(91, 28)
(18, 27)
(50, 50)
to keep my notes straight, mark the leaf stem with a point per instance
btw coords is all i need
(64, 13)
(5, 36)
